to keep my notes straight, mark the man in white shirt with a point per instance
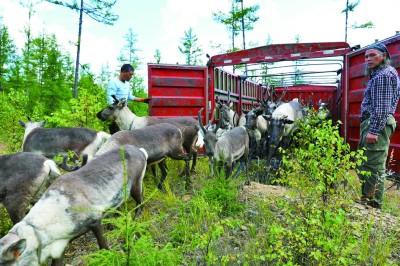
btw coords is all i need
(121, 88)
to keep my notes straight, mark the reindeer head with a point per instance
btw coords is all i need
(224, 118)
(111, 111)
(30, 125)
(210, 137)
(251, 117)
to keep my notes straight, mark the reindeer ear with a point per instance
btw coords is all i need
(41, 124)
(288, 121)
(267, 117)
(14, 251)
(21, 123)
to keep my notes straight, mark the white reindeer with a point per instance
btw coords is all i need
(257, 126)
(283, 122)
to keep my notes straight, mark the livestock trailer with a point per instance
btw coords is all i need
(331, 72)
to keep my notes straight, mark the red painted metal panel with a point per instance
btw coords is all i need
(355, 86)
(177, 90)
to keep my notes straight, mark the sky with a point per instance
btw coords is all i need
(160, 24)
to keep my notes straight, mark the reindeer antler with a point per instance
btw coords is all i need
(115, 98)
(201, 123)
(283, 94)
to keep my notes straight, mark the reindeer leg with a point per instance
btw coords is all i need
(241, 164)
(163, 168)
(194, 162)
(186, 171)
(16, 208)
(64, 165)
(211, 164)
(228, 169)
(247, 170)
(153, 170)
(98, 232)
(57, 262)
(137, 195)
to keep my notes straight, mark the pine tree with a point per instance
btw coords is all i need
(129, 55)
(157, 56)
(99, 10)
(8, 53)
(190, 48)
(48, 73)
(238, 19)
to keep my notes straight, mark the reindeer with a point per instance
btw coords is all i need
(51, 142)
(119, 112)
(210, 137)
(23, 178)
(230, 147)
(267, 103)
(323, 110)
(257, 127)
(231, 118)
(160, 141)
(282, 123)
(74, 204)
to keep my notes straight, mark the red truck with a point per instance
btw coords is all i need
(332, 72)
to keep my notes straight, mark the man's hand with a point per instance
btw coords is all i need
(142, 100)
(371, 138)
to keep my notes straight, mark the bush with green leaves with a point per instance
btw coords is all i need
(314, 228)
(80, 112)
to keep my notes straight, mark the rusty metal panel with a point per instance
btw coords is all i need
(176, 90)
(355, 86)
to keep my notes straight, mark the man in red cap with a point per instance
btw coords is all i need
(377, 123)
